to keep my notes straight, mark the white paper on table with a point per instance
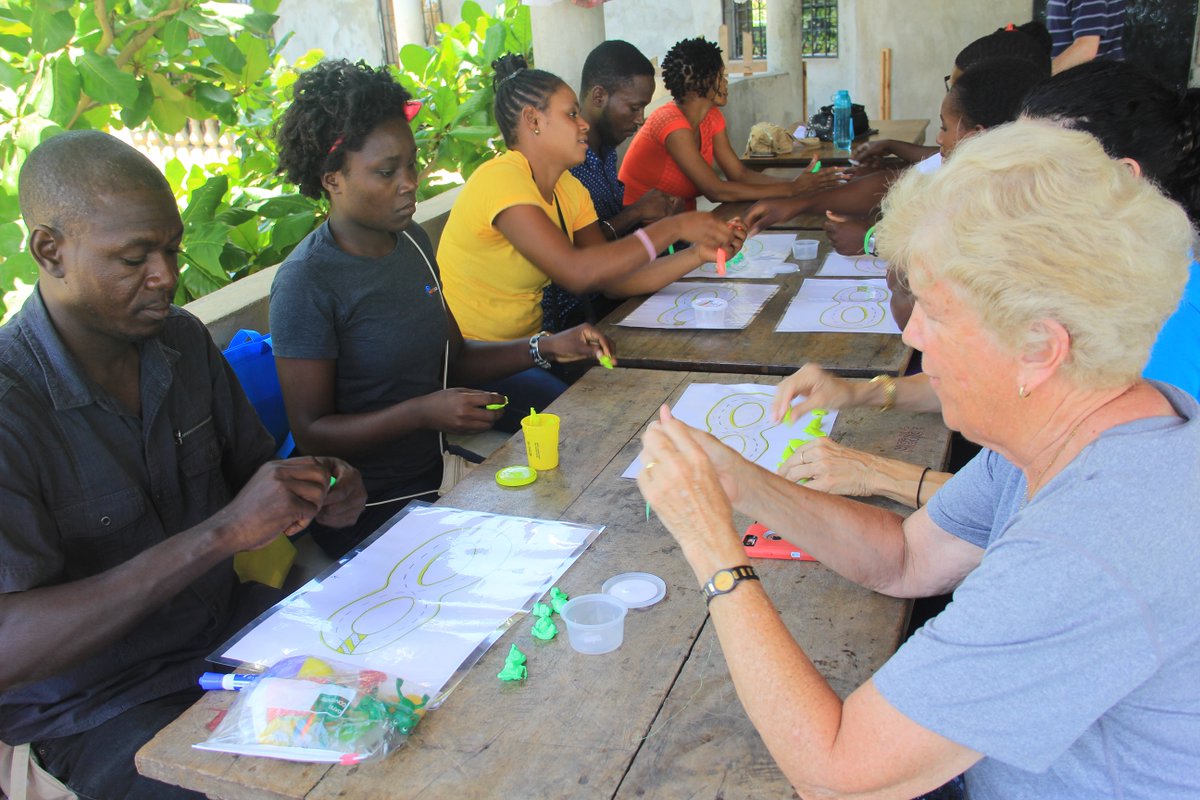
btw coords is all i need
(421, 599)
(839, 266)
(760, 257)
(671, 307)
(740, 416)
(840, 306)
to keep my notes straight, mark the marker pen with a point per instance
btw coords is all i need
(214, 681)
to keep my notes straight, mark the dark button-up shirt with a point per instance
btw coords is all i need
(598, 174)
(86, 486)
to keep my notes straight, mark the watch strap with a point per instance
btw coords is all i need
(725, 581)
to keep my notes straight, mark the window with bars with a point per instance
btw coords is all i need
(820, 25)
(746, 16)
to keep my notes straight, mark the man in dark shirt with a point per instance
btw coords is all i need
(132, 468)
(616, 87)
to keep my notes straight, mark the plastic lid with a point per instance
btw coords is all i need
(516, 476)
(636, 589)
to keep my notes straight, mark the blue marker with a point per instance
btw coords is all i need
(233, 682)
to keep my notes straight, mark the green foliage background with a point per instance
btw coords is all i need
(112, 64)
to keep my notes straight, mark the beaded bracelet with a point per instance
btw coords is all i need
(535, 352)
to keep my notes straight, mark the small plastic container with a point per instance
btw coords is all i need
(595, 623)
(710, 311)
(805, 249)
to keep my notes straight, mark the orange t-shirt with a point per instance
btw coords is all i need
(648, 165)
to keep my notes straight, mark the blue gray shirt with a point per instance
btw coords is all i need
(1069, 657)
(86, 486)
(1068, 20)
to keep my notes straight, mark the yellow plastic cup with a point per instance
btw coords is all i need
(541, 440)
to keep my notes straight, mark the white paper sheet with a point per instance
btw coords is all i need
(760, 257)
(740, 416)
(420, 600)
(839, 266)
(840, 306)
(671, 307)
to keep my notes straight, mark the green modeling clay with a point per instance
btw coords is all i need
(514, 666)
(541, 610)
(544, 629)
(558, 599)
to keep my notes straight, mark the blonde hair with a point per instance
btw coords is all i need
(1030, 221)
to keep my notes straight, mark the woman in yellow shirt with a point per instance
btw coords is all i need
(523, 220)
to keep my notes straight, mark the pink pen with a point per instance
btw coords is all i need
(721, 261)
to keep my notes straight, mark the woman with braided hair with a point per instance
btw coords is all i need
(675, 150)
(370, 359)
(523, 220)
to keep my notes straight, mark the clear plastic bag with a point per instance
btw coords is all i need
(313, 709)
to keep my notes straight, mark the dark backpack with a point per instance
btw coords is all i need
(821, 123)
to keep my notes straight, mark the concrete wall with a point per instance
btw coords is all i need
(342, 28)
(555, 24)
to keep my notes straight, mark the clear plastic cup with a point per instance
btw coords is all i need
(710, 311)
(804, 249)
(595, 623)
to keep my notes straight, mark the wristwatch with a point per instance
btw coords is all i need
(535, 352)
(726, 580)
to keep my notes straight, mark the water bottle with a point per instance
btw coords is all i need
(843, 126)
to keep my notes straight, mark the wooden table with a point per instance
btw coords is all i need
(656, 718)
(758, 349)
(905, 130)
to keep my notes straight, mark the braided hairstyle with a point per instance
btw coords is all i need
(1030, 41)
(335, 106)
(516, 87)
(990, 92)
(1134, 115)
(692, 65)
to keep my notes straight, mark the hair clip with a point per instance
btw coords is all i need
(336, 144)
(411, 109)
(512, 75)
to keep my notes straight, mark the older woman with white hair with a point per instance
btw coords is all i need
(1065, 666)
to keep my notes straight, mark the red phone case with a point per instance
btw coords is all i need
(762, 542)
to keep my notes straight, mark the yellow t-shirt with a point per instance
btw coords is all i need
(493, 290)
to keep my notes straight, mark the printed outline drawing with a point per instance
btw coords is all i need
(354, 623)
(864, 266)
(844, 301)
(685, 315)
(728, 407)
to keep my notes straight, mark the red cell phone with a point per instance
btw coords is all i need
(762, 542)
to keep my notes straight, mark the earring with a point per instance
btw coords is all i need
(1021, 393)
(537, 131)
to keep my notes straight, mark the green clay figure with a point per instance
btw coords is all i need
(544, 629)
(559, 598)
(514, 666)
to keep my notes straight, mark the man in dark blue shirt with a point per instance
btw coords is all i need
(132, 469)
(1082, 30)
(616, 87)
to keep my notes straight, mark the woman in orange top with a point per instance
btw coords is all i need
(674, 151)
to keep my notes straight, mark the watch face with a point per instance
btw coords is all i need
(723, 581)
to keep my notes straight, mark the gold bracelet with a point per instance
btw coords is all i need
(889, 390)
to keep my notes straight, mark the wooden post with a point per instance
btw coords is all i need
(804, 90)
(885, 83)
(747, 66)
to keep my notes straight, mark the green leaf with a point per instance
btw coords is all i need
(18, 266)
(35, 130)
(286, 233)
(136, 113)
(226, 52)
(471, 12)
(218, 101)
(10, 208)
(17, 45)
(285, 205)
(12, 77)
(257, 56)
(202, 248)
(60, 90)
(204, 201)
(175, 173)
(51, 29)
(260, 23)
(493, 43)
(415, 58)
(174, 37)
(475, 135)
(104, 82)
(167, 116)
(12, 236)
(202, 23)
(235, 217)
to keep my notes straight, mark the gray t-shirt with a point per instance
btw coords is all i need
(1070, 657)
(384, 322)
